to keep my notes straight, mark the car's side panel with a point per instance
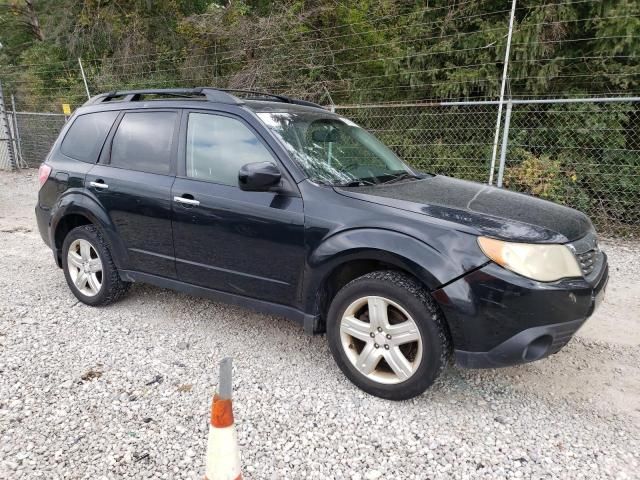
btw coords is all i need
(250, 243)
(138, 205)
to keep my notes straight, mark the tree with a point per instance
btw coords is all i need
(24, 13)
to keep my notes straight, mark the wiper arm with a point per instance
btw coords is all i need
(355, 183)
(399, 176)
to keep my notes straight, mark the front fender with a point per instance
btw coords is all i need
(77, 202)
(434, 267)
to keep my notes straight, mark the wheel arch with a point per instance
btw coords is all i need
(76, 210)
(349, 255)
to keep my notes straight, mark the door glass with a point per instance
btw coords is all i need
(85, 137)
(218, 146)
(143, 142)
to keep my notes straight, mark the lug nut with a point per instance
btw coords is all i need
(386, 347)
(388, 336)
(379, 329)
(372, 334)
(376, 345)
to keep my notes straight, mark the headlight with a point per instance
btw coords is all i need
(545, 263)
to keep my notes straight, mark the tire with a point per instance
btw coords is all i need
(99, 287)
(401, 297)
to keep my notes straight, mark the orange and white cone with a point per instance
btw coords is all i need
(223, 454)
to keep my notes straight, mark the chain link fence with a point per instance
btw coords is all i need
(451, 140)
(38, 131)
(583, 155)
(7, 154)
(6, 157)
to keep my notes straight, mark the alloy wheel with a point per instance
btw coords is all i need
(381, 339)
(85, 267)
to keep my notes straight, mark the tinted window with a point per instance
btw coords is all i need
(86, 136)
(218, 146)
(143, 142)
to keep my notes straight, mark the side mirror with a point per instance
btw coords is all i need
(258, 177)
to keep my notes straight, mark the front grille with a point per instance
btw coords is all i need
(588, 254)
(587, 261)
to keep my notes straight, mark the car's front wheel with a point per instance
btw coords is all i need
(387, 335)
(89, 269)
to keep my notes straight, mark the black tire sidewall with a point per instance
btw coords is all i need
(91, 235)
(432, 349)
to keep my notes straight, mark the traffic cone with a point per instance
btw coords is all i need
(223, 454)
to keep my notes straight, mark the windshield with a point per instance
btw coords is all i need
(334, 150)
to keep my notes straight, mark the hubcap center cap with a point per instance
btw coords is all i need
(380, 338)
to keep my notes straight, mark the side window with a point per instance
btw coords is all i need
(218, 146)
(86, 136)
(143, 142)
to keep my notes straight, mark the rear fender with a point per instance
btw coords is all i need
(76, 202)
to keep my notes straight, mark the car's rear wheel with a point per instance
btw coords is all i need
(89, 269)
(387, 335)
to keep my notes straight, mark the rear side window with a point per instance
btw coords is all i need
(86, 136)
(143, 142)
(218, 146)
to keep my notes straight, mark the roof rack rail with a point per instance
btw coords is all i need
(281, 98)
(211, 94)
(218, 95)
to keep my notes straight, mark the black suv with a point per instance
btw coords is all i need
(280, 205)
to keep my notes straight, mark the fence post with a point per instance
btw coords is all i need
(16, 131)
(5, 121)
(502, 87)
(505, 143)
(84, 78)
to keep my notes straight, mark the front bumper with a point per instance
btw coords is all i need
(498, 318)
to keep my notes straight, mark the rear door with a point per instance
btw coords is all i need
(246, 243)
(133, 183)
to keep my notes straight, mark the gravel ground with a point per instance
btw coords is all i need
(124, 391)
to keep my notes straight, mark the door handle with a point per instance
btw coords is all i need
(186, 201)
(99, 184)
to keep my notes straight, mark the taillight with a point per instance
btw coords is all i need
(43, 174)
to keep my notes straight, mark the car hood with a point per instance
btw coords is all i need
(491, 211)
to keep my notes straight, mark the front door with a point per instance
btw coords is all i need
(133, 184)
(246, 243)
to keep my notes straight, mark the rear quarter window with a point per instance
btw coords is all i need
(87, 134)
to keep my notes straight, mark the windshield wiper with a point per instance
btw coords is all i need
(355, 183)
(400, 176)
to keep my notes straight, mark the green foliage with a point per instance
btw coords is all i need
(360, 51)
(545, 178)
